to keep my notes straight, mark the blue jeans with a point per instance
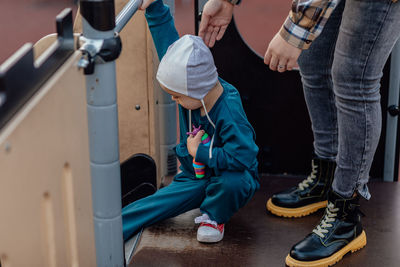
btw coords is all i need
(341, 74)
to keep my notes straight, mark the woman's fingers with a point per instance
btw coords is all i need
(214, 36)
(207, 35)
(281, 55)
(221, 32)
(292, 64)
(273, 64)
(282, 65)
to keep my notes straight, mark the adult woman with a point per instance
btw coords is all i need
(341, 71)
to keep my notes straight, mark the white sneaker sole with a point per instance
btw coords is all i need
(210, 239)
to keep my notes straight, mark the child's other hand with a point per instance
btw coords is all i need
(193, 143)
(145, 4)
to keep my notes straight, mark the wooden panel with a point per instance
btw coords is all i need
(154, 92)
(133, 86)
(45, 188)
(45, 42)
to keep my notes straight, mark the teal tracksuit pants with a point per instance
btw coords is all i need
(220, 197)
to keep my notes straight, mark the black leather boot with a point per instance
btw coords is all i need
(308, 196)
(338, 232)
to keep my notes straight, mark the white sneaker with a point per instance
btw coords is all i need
(209, 231)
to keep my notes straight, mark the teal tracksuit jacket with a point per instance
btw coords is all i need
(231, 172)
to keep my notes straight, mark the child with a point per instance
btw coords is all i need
(226, 165)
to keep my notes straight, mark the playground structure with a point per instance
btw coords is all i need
(47, 157)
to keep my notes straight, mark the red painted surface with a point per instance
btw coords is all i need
(257, 20)
(23, 21)
(26, 21)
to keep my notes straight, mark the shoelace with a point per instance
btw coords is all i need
(205, 219)
(330, 216)
(306, 182)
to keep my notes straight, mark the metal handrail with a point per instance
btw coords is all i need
(126, 14)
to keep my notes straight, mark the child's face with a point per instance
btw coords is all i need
(183, 100)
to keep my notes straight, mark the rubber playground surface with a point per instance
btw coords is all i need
(255, 237)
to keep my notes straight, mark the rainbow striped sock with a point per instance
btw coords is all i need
(200, 168)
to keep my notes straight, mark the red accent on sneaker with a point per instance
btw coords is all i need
(219, 227)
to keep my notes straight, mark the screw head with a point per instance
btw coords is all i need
(7, 147)
(393, 110)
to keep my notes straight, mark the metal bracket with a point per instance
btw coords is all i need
(98, 51)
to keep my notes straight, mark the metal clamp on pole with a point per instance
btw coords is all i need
(98, 51)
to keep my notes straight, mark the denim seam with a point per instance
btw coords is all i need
(363, 159)
(329, 75)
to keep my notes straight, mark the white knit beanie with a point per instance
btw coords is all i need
(188, 68)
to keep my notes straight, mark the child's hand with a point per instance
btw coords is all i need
(193, 143)
(145, 4)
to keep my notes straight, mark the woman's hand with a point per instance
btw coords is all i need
(281, 55)
(217, 14)
(193, 143)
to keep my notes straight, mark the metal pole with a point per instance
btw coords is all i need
(126, 14)
(392, 115)
(167, 124)
(98, 22)
(99, 35)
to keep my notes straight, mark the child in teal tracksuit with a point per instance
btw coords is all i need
(217, 149)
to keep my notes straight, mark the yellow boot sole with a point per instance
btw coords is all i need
(295, 212)
(353, 246)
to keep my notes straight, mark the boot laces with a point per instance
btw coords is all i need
(306, 182)
(330, 216)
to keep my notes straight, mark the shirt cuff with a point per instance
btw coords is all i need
(202, 154)
(296, 35)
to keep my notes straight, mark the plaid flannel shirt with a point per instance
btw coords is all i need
(306, 21)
